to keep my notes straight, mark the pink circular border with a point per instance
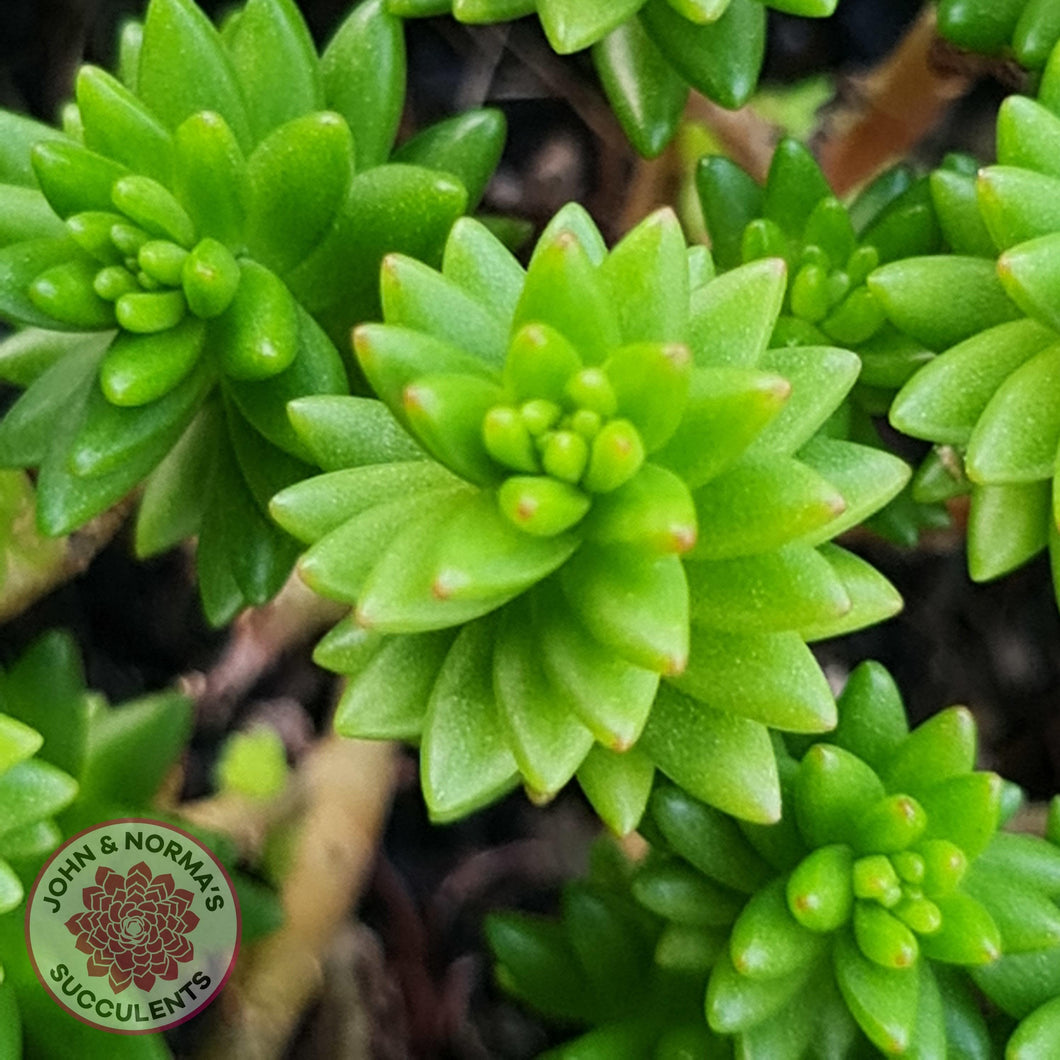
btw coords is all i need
(231, 963)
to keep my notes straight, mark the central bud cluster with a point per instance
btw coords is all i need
(151, 267)
(565, 443)
(886, 883)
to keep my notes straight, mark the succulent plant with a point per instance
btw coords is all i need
(830, 249)
(584, 478)
(648, 53)
(1026, 30)
(593, 967)
(988, 402)
(181, 254)
(870, 914)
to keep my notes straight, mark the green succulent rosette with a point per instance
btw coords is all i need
(989, 401)
(1024, 30)
(648, 53)
(588, 529)
(830, 249)
(185, 256)
(593, 968)
(70, 761)
(873, 909)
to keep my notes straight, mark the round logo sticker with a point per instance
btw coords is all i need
(133, 926)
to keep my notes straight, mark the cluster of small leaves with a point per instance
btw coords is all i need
(584, 477)
(596, 967)
(1025, 30)
(93, 763)
(182, 252)
(830, 249)
(990, 402)
(861, 918)
(649, 54)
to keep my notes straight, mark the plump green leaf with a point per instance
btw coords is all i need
(725, 760)
(297, 182)
(644, 91)
(725, 411)
(833, 790)
(788, 588)
(942, 300)
(999, 454)
(118, 126)
(819, 376)
(882, 1000)
(276, 64)
(610, 695)
(363, 69)
(708, 839)
(771, 678)
(465, 756)
(184, 68)
(388, 209)
(1028, 135)
(636, 605)
(468, 146)
(617, 785)
(767, 942)
(759, 505)
(872, 722)
(872, 597)
(945, 399)
(721, 59)
(732, 317)
(387, 699)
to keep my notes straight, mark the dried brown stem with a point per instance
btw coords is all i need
(894, 107)
(259, 637)
(59, 561)
(346, 785)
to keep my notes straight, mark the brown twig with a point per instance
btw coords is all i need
(894, 107)
(346, 785)
(260, 636)
(58, 561)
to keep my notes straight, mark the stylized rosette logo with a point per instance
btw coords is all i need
(135, 927)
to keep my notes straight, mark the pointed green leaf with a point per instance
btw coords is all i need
(943, 300)
(945, 399)
(726, 409)
(565, 290)
(708, 839)
(721, 59)
(759, 505)
(617, 785)
(833, 790)
(732, 317)
(547, 739)
(644, 91)
(611, 696)
(465, 758)
(788, 588)
(820, 377)
(363, 69)
(882, 1000)
(770, 677)
(120, 127)
(636, 605)
(276, 64)
(388, 699)
(184, 68)
(468, 146)
(725, 760)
